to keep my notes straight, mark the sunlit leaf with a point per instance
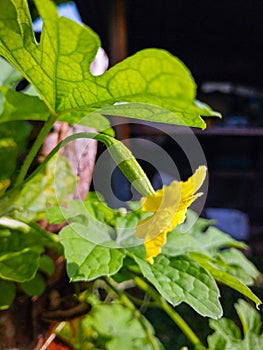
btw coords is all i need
(88, 257)
(59, 69)
(181, 279)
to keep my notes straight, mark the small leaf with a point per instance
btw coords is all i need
(9, 76)
(181, 243)
(13, 140)
(93, 120)
(224, 277)
(18, 106)
(87, 260)
(213, 239)
(35, 286)
(239, 266)
(226, 327)
(49, 187)
(46, 265)
(19, 266)
(20, 249)
(7, 295)
(181, 279)
(249, 317)
(228, 336)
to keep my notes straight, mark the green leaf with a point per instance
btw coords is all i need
(249, 317)
(9, 76)
(181, 243)
(110, 327)
(34, 287)
(239, 266)
(87, 260)
(181, 279)
(93, 120)
(224, 277)
(228, 336)
(183, 114)
(59, 69)
(216, 342)
(90, 208)
(46, 265)
(226, 327)
(213, 239)
(198, 235)
(25, 235)
(7, 295)
(19, 266)
(49, 187)
(18, 106)
(13, 140)
(21, 247)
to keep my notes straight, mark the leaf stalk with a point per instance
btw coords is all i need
(35, 148)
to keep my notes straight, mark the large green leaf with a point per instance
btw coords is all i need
(86, 259)
(181, 279)
(59, 69)
(28, 105)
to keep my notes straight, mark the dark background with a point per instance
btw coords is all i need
(217, 40)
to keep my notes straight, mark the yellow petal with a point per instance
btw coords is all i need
(153, 246)
(194, 182)
(169, 206)
(153, 201)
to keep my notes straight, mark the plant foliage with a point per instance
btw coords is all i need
(99, 243)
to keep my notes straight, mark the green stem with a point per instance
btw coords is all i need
(127, 302)
(120, 153)
(178, 320)
(35, 148)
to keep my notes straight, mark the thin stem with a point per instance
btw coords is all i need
(162, 303)
(123, 154)
(127, 302)
(35, 148)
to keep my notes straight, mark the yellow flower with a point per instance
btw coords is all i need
(169, 206)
